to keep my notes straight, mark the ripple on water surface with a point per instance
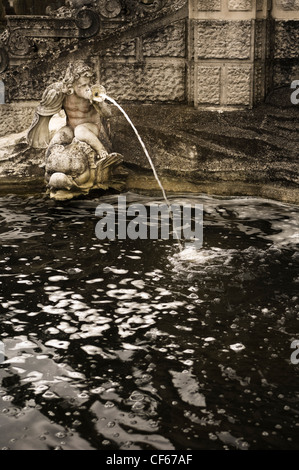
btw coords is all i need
(136, 345)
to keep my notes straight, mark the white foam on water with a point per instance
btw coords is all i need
(204, 256)
(58, 344)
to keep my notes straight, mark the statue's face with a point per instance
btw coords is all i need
(82, 88)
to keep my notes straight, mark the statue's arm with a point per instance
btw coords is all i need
(103, 109)
(51, 103)
(98, 101)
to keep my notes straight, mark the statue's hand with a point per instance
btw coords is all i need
(98, 93)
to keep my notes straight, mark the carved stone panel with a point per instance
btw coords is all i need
(239, 5)
(151, 82)
(239, 81)
(208, 84)
(208, 5)
(223, 39)
(288, 5)
(109, 9)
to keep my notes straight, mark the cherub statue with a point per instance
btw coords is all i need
(78, 155)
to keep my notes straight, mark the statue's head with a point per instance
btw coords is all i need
(78, 79)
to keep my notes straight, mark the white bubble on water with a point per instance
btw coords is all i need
(57, 278)
(237, 347)
(54, 343)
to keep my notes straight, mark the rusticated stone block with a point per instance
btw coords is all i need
(240, 5)
(150, 82)
(126, 49)
(284, 74)
(209, 5)
(288, 5)
(208, 85)
(286, 39)
(223, 39)
(168, 42)
(238, 85)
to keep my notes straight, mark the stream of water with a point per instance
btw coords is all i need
(131, 345)
(120, 108)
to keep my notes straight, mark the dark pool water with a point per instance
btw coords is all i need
(128, 345)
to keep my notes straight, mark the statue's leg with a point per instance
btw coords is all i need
(88, 133)
(64, 136)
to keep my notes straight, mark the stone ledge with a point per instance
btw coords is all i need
(257, 147)
(194, 149)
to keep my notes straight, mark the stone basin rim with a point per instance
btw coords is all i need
(145, 184)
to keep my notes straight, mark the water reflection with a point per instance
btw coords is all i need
(132, 345)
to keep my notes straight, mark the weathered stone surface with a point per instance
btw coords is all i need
(123, 49)
(169, 41)
(208, 83)
(148, 82)
(286, 39)
(209, 5)
(239, 5)
(285, 73)
(223, 39)
(18, 160)
(258, 146)
(15, 118)
(288, 5)
(238, 85)
(259, 5)
(205, 145)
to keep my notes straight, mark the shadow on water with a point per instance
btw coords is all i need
(133, 345)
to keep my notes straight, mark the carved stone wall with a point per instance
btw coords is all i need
(211, 53)
(138, 48)
(148, 68)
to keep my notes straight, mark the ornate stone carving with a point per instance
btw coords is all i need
(19, 44)
(149, 6)
(143, 7)
(109, 8)
(41, 44)
(88, 22)
(30, 36)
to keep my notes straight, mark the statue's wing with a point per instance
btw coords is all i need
(38, 135)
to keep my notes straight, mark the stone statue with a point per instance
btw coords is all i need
(78, 156)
